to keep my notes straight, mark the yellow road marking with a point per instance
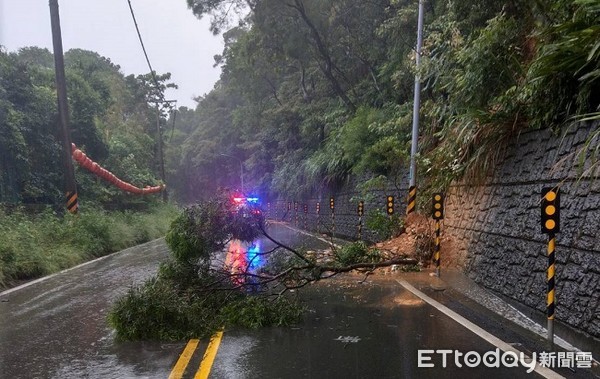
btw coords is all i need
(184, 359)
(209, 356)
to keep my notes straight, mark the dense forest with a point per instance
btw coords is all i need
(113, 119)
(313, 91)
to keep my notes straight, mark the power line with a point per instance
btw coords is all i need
(145, 53)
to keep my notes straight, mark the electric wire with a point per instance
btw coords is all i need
(152, 72)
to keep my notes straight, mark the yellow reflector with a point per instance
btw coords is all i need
(551, 196)
(550, 224)
(550, 210)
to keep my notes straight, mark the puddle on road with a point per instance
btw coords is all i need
(407, 299)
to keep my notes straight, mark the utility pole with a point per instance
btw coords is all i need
(161, 157)
(412, 191)
(63, 110)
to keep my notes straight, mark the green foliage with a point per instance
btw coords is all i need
(476, 83)
(563, 77)
(205, 228)
(33, 246)
(255, 311)
(410, 268)
(356, 252)
(315, 91)
(197, 233)
(383, 225)
(311, 92)
(110, 119)
(157, 311)
(161, 309)
(188, 297)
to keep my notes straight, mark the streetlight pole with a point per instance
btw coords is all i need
(412, 191)
(241, 169)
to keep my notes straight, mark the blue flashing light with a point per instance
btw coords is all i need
(253, 200)
(254, 256)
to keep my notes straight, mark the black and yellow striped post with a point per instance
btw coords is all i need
(72, 202)
(437, 212)
(412, 200)
(360, 212)
(318, 209)
(332, 207)
(550, 226)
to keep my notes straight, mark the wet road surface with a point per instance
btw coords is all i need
(57, 328)
(353, 329)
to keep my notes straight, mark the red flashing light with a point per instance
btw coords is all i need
(238, 199)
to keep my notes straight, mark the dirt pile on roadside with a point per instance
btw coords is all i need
(418, 241)
(417, 235)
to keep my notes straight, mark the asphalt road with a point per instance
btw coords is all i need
(357, 329)
(57, 328)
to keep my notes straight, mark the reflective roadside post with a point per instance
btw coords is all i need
(390, 206)
(551, 225)
(437, 212)
(318, 206)
(360, 211)
(295, 213)
(332, 207)
(305, 216)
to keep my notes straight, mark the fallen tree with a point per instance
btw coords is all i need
(200, 290)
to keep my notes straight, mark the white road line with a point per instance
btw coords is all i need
(306, 233)
(544, 371)
(14, 289)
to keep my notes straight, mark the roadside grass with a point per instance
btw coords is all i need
(32, 246)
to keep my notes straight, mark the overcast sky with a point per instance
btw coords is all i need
(176, 41)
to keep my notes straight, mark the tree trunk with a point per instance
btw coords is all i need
(327, 65)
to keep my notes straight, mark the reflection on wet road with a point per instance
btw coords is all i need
(57, 328)
(371, 329)
(354, 328)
